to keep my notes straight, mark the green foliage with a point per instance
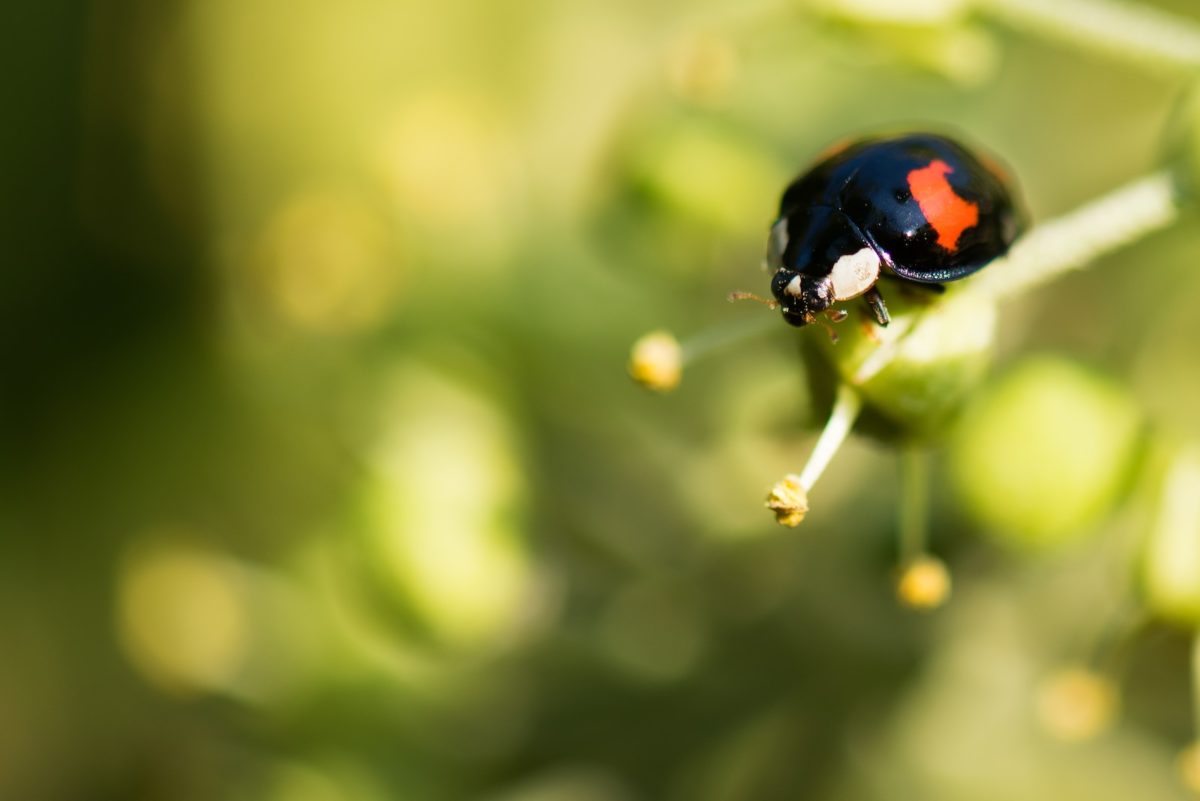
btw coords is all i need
(322, 478)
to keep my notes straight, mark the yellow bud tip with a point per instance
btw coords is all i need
(924, 584)
(789, 501)
(1188, 764)
(1076, 704)
(656, 361)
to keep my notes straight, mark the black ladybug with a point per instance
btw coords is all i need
(917, 208)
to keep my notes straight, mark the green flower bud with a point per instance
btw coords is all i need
(707, 175)
(1171, 559)
(1045, 453)
(915, 374)
(439, 515)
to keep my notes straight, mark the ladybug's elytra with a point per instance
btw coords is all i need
(918, 208)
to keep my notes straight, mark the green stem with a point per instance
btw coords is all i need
(845, 411)
(882, 356)
(1077, 238)
(1110, 649)
(1046, 252)
(914, 503)
(701, 345)
(1132, 30)
(1196, 681)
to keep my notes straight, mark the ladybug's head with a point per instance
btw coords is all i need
(801, 297)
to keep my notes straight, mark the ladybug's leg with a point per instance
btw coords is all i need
(878, 307)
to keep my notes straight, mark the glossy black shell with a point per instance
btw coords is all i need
(861, 196)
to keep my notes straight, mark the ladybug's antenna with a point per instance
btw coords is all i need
(770, 304)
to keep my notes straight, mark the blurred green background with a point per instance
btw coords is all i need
(323, 478)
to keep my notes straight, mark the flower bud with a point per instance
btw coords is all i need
(1045, 452)
(1171, 559)
(705, 175)
(656, 361)
(924, 584)
(1076, 704)
(1188, 765)
(789, 501)
(915, 374)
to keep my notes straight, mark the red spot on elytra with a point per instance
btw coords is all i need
(948, 213)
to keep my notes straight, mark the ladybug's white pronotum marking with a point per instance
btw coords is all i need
(854, 274)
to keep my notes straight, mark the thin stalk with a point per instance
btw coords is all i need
(1122, 216)
(1130, 30)
(845, 411)
(1053, 248)
(883, 355)
(1196, 682)
(703, 344)
(914, 503)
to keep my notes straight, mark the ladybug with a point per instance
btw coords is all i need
(918, 209)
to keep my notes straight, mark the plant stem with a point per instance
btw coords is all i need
(1196, 681)
(841, 419)
(914, 503)
(1126, 29)
(1073, 240)
(883, 355)
(700, 345)
(1051, 249)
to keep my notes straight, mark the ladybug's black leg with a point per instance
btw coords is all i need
(878, 307)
